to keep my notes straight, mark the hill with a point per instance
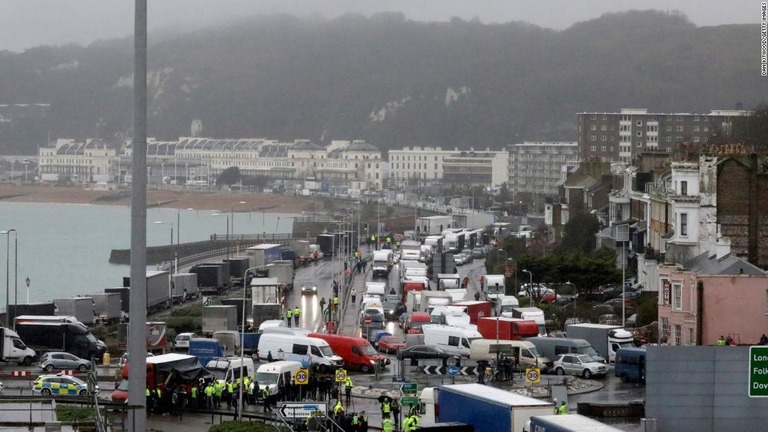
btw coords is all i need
(386, 79)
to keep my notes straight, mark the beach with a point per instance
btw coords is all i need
(175, 197)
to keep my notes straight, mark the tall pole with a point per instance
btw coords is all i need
(378, 223)
(15, 274)
(623, 287)
(137, 327)
(178, 226)
(8, 272)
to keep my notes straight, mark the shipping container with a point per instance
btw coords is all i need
(82, 308)
(107, 306)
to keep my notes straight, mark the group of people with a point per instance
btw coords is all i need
(292, 314)
(503, 370)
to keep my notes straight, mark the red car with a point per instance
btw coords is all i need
(390, 344)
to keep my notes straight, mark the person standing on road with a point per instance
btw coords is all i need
(353, 294)
(562, 409)
(362, 422)
(288, 316)
(386, 408)
(296, 315)
(322, 304)
(348, 390)
(387, 425)
(395, 407)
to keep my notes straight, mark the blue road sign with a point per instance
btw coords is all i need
(453, 370)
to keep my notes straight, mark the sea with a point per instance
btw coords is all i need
(64, 248)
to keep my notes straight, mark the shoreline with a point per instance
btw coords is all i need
(178, 198)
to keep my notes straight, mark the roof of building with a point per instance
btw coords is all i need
(708, 264)
(580, 180)
(361, 146)
(306, 145)
(78, 148)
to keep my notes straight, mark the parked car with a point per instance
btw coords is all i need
(418, 352)
(579, 365)
(390, 344)
(309, 289)
(468, 257)
(459, 259)
(60, 385)
(182, 340)
(478, 252)
(55, 360)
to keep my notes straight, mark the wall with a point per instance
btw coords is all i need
(701, 389)
(734, 305)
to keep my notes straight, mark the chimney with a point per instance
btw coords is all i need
(722, 247)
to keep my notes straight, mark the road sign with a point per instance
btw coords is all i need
(450, 361)
(409, 388)
(453, 370)
(341, 375)
(533, 375)
(758, 371)
(409, 400)
(301, 377)
(300, 410)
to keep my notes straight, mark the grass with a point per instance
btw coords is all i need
(253, 426)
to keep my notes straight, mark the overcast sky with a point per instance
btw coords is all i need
(29, 23)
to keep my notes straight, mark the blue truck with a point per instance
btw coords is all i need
(488, 409)
(205, 349)
(567, 423)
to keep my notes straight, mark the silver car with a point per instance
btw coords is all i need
(182, 340)
(579, 365)
(63, 361)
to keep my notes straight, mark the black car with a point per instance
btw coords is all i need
(393, 309)
(418, 352)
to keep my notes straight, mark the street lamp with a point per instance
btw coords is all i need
(8, 267)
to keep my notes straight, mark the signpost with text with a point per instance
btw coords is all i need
(758, 371)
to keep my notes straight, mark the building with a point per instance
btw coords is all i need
(79, 162)
(624, 135)
(476, 168)
(417, 166)
(536, 168)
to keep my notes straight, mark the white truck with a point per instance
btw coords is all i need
(605, 339)
(533, 314)
(219, 317)
(495, 287)
(12, 349)
(382, 262)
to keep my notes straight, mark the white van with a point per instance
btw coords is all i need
(525, 352)
(276, 374)
(375, 288)
(228, 369)
(455, 340)
(270, 324)
(311, 352)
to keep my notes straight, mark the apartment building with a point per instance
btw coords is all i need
(624, 135)
(80, 162)
(417, 166)
(476, 168)
(538, 167)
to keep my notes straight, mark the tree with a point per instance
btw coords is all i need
(579, 234)
(229, 176)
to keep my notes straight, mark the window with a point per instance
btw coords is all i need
(669, 129)
(639, 123)
(593, 138)
(683, 224)
(683, 187)
(669, 139)
(690, 336)
(679, 128)
(603, 127)
(593, 127)
(677, 296)
(300, 349)
(593, 148)
(678, 334)
(639, 133)
(602, 148)
(453, 341)
(603, 138)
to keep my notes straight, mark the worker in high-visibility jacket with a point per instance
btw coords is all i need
(288, 316)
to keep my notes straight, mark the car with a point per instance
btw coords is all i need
(616, 302)
(60, 385)
(468, 257)
(402, 320)
(124, 359)
(420, 352)
(182, 340)
(56, 360)
(478, 252)
(390, 344)
(309, 289)
(579, 365)
(459, 259)
(374, 316)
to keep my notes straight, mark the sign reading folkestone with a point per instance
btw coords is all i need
(758, 371)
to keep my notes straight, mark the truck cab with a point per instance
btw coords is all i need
(13, 349)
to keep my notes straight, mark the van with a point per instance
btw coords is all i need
(311, 352)
(455, 340)
(375, 288)
(630, 364)
(525, 353)
(356, 352)
(552, 347)
(276, 374)
(228, 368)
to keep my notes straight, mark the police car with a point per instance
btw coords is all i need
(60, 385)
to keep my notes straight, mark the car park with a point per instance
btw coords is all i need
(309, 289)
(423, 352)
(390, 344)
(60, 385)
(579, 365)
(182, 340)
(52, 361)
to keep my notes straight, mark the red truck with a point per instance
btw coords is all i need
(475, 309)
(409, 285)
(509, 328)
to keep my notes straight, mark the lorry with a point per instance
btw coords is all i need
(605, 339)
(411, 268)
(506, 303)
(229, 340)
(239, 304)
(72, 337)
(219, 317)
(205, 349)
(495, 287)
(508, 328)
(486, 408)
(237, 268)
(448, 281)
(163, 370)
(13, 349)
(211, 278)
(263, 254)
(432, 225)
(125, 300)
(283, 271)
(107, 306)
(567, 423)
(158, 290)
(410, 250)
(327, 244)
(82, 308)
(42, 308)
(533, 314)
(453, 240)
(382, 262)
(475, 309)
(266, 301)
(185, 285)
(430, 299)
(414, 286)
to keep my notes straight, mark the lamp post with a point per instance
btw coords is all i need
(28, 281)
(170, 267)
(8, 270)
(530, 283)
(232, 213)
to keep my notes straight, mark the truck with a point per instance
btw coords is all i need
(486, 408)
(13, 349)
(157, 337)
(508, 328)
(327, 244)
(185, 285)
(382, 263)
(43, 308)
(230, 340)
(432, 225)
(82, 308)
(158, 290)
(125, 300)
(205, 349)
(475, 309)
(239, 304)
(448, 281)
(237, 267)
(163, 370)
(107, 306)
(567, 423)
(410, 250)
(72, 337)
(266, 301)
(430, 299)
(211, 278)
(411, 268)
(283, 271)
(495, 287)
(263, 254)
(605, 339)
(218, 317)
(453, 241)
(533, 314)
(412, 287)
